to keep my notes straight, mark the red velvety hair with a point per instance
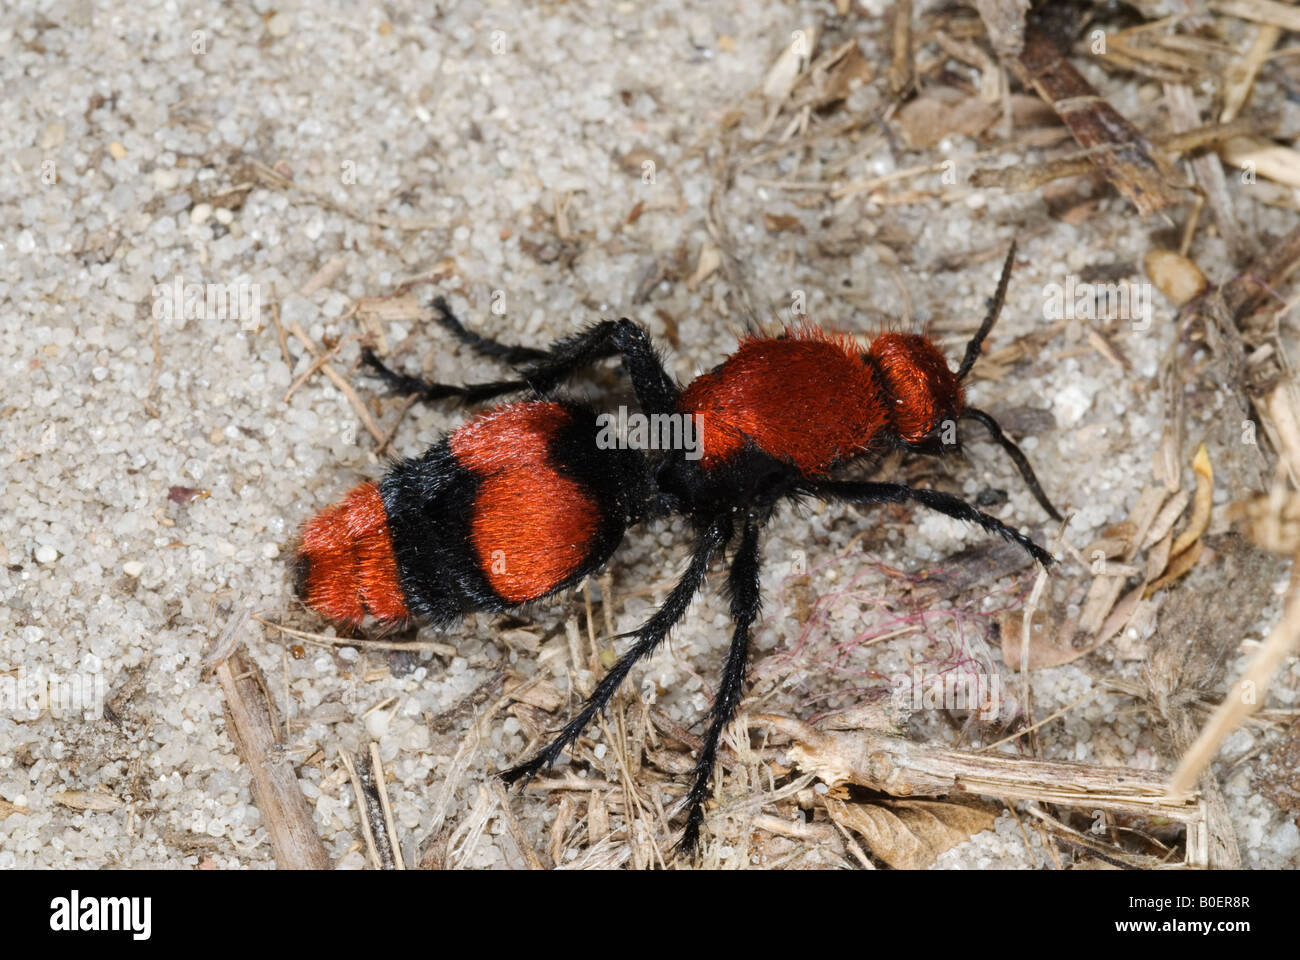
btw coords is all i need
(346, 564)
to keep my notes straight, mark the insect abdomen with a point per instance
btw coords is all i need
(514, 505)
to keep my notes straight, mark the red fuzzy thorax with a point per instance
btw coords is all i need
(806, 398)
(532, 526)
(348, 569)
(813, 399)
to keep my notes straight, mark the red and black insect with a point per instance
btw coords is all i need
(523, 500)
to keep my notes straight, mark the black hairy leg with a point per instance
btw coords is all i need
(648, 637)
(746, 597)
(655, 389)
(866, 492)
(484, 346)
(427, 391)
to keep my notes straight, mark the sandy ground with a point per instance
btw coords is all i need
(544, 165)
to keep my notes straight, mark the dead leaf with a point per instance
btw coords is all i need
(1049, 640)
(1027, 111)
(1103, 592)
(541, 694)
(1127, 611)
(710, 260)
(852, 66)
(1166, 518)
(910, 834)
(560, 828)
(1178, 566)
(794, 59)
(1200, 520)
(597, 818)
(1004, 22)
(944, 112)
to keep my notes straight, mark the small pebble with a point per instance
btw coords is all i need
(279, 25)
(53, 136)
(133, 568)
(166, 178)
(46, 554)
(1175, 276)
(377, 723)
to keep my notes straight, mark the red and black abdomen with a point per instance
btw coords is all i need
(514, 505)
(809, 399)
(345, 566)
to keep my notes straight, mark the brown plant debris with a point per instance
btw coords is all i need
(1033, 176)
(252, 725)
(1113, 144)
(1005, 22)
(1279, 775)
(904, 768)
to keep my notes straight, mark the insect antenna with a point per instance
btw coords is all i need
(1017, 457)
(973, 348)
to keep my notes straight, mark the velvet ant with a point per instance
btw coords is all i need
(522, 501)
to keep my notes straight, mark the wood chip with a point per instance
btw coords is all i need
(324, 278)
(252, 725)
(1113, 144)
(906, 768)
(83, 800)
(902, 73)
(782, 223)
